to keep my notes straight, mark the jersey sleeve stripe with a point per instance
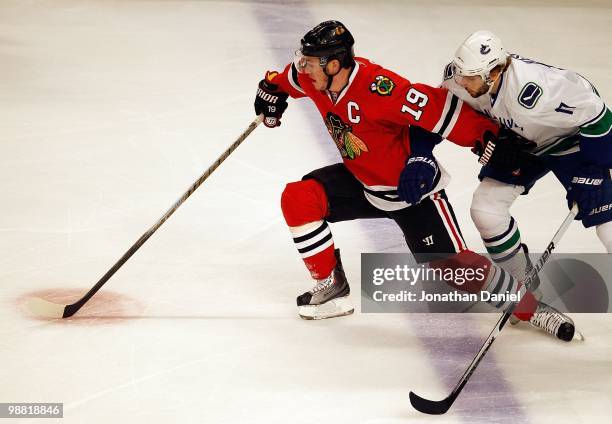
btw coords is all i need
(596, 118)
(293, 79)
(599, 128)
(563, 144)
(448, 127)
(447, 104)
(591, 85)
(607, 131)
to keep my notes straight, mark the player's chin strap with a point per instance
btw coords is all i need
(330, 77)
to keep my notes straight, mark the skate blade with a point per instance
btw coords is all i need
(338, 307)
(578, 336)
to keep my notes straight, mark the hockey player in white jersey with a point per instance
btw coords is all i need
(566, 126)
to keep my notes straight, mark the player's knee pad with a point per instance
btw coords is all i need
(303, 202)
(466, 271)
(490, 209)
(604, 232)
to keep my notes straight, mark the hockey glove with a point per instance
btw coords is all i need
(587, 189)
(270, 100)
(506, 152)
(417, 178)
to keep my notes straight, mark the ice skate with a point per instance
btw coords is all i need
(329, 298)
(554, 322)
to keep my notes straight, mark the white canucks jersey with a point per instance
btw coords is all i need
(549, 106)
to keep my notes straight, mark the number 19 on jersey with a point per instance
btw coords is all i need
(416, 98)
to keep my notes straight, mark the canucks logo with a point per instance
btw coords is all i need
(449, 71)
(349, 144)
(529, 95)
(484, 49)
(382, 86)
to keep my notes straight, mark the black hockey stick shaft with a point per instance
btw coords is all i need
(440, 407)
(74, 307)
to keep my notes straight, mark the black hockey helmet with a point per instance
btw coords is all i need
(329, 40)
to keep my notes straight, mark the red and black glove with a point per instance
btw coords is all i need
(270, 100)
(506, 152)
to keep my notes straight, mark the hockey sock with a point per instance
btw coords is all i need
(499, 231)
(304, 204)
(315, 244)
(502, 282)
(496, 281)
(504, 247)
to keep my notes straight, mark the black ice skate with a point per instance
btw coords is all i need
(329, 297)
(554, 322)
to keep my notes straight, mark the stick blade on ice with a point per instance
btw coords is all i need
(44, 308)
(432, 407)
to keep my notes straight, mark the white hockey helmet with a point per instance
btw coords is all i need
(478, 55)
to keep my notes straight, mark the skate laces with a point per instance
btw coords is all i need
(323, 284)
(548, 319)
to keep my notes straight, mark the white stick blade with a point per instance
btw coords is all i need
(44, 308)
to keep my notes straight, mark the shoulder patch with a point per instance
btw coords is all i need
(382, 85)
(529, 95)
(448, 71)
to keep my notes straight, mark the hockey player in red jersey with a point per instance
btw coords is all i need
(385, 128)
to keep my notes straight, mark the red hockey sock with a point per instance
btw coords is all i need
(527, 306)
(304, 205)
(495, 280)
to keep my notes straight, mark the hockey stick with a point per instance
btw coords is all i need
(48, 309)
(437, 407)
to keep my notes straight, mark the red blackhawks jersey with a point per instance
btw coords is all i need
(370, 118)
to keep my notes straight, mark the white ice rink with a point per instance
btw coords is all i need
(109, 110)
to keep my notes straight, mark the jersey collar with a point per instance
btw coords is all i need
(346, 87)
(499, 89)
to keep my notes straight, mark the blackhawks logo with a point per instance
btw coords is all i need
(382, 85)
(348, 143)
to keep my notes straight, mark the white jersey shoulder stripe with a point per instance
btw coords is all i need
(293, 81)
